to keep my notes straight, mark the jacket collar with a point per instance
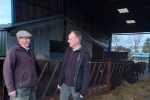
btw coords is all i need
(83, 48)
(18, 46)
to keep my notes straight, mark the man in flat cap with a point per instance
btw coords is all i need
(19, 70)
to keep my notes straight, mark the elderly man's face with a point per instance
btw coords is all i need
(24, 41)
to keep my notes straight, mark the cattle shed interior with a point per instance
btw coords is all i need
(50, 22)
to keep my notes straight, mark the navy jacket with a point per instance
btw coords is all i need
(83, 70)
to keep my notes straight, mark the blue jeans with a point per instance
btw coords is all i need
(66, 92)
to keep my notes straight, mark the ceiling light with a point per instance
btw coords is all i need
(123, 10)
(130, 21)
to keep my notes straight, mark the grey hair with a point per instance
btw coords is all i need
(78, 35)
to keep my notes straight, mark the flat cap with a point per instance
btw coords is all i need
(23, 33)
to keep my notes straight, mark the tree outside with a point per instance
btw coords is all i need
(116, 41)
(135, 41)
(119, 45)
(146, 49)
(146, 46)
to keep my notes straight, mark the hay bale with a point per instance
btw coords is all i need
(105, 97)
(137, 91)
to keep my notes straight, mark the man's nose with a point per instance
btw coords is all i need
(28, 40)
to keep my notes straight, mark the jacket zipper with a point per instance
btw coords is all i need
(22, 79)
(78, 70)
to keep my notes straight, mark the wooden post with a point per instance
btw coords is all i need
(108, 76)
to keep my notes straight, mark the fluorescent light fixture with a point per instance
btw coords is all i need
(130, 21)
(123, 10)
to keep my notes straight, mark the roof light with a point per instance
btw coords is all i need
(123, 10)
(130, 21)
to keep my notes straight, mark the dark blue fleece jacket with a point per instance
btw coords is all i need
(82, 70)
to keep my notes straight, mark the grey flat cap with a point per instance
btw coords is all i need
(23, 33)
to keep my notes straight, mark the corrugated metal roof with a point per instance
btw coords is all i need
(3, 26)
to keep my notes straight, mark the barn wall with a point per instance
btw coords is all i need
(57, 49)
(11, 40)
(27, 10)
(51, 29)
(42, 33)
(2, 43)
(98, 53)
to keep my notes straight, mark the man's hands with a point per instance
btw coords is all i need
(58, 86)
(81, 96)
(35, 88)
(12, 94)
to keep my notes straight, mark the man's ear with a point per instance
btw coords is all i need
(77, 41)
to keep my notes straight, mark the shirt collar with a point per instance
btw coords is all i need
(24, 47)
(79, 48)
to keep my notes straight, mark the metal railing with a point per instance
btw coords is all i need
(100, 75)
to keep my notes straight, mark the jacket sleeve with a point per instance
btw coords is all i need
(8, 68)
(62, 67)
(38, 70)
(86, 73)
(60, 75)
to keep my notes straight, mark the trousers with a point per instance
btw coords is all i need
(25, 94)
(66, 92)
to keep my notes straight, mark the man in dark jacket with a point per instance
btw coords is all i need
(20, 69)
(75, 69)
